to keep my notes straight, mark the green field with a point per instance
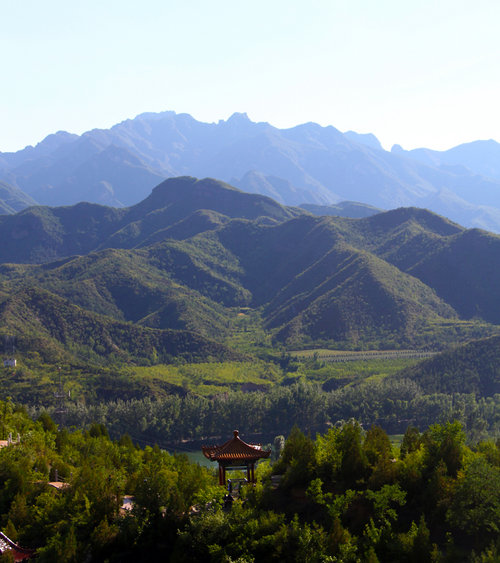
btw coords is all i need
(213, 378)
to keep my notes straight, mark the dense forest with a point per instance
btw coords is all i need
(173, 419)
(346, 495)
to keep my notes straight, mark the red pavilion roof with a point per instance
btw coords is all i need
(235, 449)
(19, 553)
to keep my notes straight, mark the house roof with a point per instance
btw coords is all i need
(58, 485)
(235, 449)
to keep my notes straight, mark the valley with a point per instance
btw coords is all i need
(269, 337)
(203, 291)
(129, 332)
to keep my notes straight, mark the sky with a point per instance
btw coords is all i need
(423, 73)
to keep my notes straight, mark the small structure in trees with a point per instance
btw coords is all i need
(236, 454)
(10, 441)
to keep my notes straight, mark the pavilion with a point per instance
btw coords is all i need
(236, 454)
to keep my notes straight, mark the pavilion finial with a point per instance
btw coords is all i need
(235, 432)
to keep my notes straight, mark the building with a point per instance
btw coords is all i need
(235, 454)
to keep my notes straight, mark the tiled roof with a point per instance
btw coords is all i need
(235, 449)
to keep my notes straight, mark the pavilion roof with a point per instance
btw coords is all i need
(235, 449)
(19, 553)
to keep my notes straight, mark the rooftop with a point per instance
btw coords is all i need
(235, 449)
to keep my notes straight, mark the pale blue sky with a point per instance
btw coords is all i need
(423, 73)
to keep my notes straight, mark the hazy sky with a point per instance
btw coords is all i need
(423, 73)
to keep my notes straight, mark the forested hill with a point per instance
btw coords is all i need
(470, 368)
(195, 252)
(40, 234)
(60, 331)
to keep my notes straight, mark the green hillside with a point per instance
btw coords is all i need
(43, 234)
(470, 262)
(126, 285)
(353, 296)
(195, 250)
(343, 209)
(471, 368)
(50, 326)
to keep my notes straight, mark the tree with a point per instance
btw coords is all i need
(475, 508)
(411, 441)
(377, 445)
(354, 464)
(445, 442)
(278, 445)
(298, 459)
(329, 454)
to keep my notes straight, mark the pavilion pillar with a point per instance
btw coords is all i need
(221, 478)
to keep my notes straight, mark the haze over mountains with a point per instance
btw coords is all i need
(12, 199)
(196, 252)
(304, 164)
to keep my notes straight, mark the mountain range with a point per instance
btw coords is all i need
(196, 255)
(305, 164)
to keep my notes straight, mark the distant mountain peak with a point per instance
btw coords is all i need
(238, 117)
(56, 139)
(367, 139)
(150, 115)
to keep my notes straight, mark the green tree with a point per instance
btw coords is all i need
(298, 460)
(411, 441)
(377, 445)
(328, 454)
(445, 442)
(354, 465)
(475, 508)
